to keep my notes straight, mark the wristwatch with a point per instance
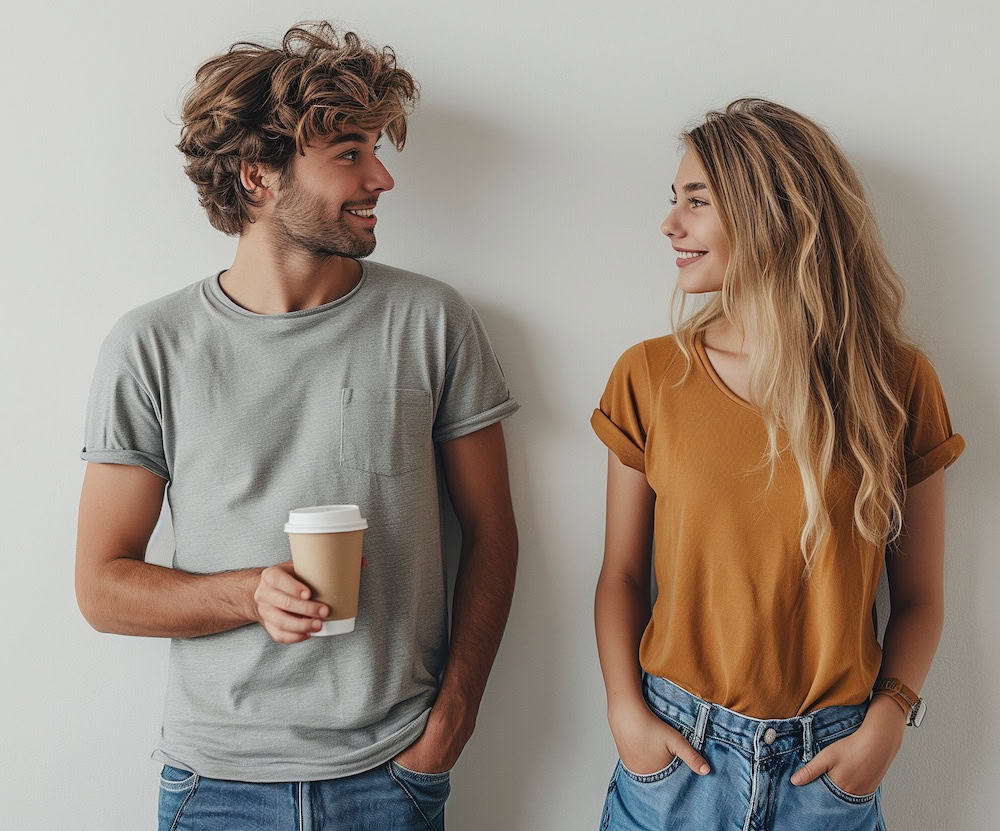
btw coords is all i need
(911, 703)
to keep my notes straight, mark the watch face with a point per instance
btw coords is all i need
(917, 713)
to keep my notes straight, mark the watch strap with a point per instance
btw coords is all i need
(913, 705)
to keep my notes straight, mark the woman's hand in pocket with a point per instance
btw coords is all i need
(647, 745)
(858, 762)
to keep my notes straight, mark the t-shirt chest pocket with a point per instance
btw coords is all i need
(385, 431)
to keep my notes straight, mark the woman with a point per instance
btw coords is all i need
(770, 451)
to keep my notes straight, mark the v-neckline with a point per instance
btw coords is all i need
(706, 362)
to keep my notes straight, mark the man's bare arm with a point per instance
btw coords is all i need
(119, 592)
(476, 471)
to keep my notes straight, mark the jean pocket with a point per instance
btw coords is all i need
(833, 787)
(385, 431)
(177, 786)
(416, 775)
(428, 791)
(176, 779)
(663, 773)
(844, 796)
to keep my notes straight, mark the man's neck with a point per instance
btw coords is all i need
(269, 282)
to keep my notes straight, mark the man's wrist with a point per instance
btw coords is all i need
(456, 710)
(246, 606)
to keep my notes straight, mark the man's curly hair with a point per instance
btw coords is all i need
(261, 104)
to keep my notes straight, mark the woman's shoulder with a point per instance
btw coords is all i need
(654, 352)
(645, 365)
(913, 370)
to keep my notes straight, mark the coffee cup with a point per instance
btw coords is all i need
(326, 556)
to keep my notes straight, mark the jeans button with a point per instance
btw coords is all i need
(770, 735)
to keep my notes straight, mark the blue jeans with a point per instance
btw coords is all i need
(752, 761)
(385, 798)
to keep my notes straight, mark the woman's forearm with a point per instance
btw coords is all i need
(621, 612)
(911, 638)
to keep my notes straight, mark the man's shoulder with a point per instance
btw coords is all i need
(155, 318)
(401, 286)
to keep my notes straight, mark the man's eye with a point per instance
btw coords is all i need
(350, 155)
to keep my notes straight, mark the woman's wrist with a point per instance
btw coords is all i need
(885, 716)
(625, 708)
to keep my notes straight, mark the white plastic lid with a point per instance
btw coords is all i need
(336, 627)
(324, 519)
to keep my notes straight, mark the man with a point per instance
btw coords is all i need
(302, 375)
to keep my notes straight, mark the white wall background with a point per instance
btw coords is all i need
(536, 175)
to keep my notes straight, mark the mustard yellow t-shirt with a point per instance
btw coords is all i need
(734, 622)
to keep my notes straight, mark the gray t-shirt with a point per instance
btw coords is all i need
(247, 416)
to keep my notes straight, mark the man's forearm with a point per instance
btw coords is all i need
(483, 591)
(132, 597)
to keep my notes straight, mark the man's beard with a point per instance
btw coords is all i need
(301, 221)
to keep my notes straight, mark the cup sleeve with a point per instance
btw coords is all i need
(929, 443)
(621, 419)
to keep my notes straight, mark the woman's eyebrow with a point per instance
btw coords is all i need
(691, 187)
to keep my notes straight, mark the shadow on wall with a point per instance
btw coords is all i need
(518, 710)
(917, 795)
(458, 170)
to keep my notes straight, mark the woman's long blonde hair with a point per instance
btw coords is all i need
(809, 286)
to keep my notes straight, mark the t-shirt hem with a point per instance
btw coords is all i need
(477, 422)
(127, 457)
(617, 442)
(931, 462)
(294, 771)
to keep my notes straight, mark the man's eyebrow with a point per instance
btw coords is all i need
(346, 138)
(691, 187)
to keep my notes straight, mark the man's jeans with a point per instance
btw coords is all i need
(385, 798)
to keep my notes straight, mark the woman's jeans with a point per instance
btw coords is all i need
(752, 761)
(386, 797)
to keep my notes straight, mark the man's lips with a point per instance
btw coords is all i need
(363, 214)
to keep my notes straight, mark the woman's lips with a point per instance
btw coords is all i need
(686, 259)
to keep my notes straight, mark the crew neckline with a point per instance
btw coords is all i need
(215, 289)
(709, 367)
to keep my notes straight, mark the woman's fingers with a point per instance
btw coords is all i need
(681, 747)
(818, 765)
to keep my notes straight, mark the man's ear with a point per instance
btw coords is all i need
(254, 177)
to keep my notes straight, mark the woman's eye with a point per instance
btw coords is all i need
(673, 201)
(376, 148)
(695, 202)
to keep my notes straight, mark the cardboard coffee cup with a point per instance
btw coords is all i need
(326, 555)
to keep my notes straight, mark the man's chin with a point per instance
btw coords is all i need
(356, 251)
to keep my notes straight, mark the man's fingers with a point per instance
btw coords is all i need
(286, 628)
(816, 766)
(283, 580)
(279, 589)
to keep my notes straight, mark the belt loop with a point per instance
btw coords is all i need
(807, 738)
(700, 725)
